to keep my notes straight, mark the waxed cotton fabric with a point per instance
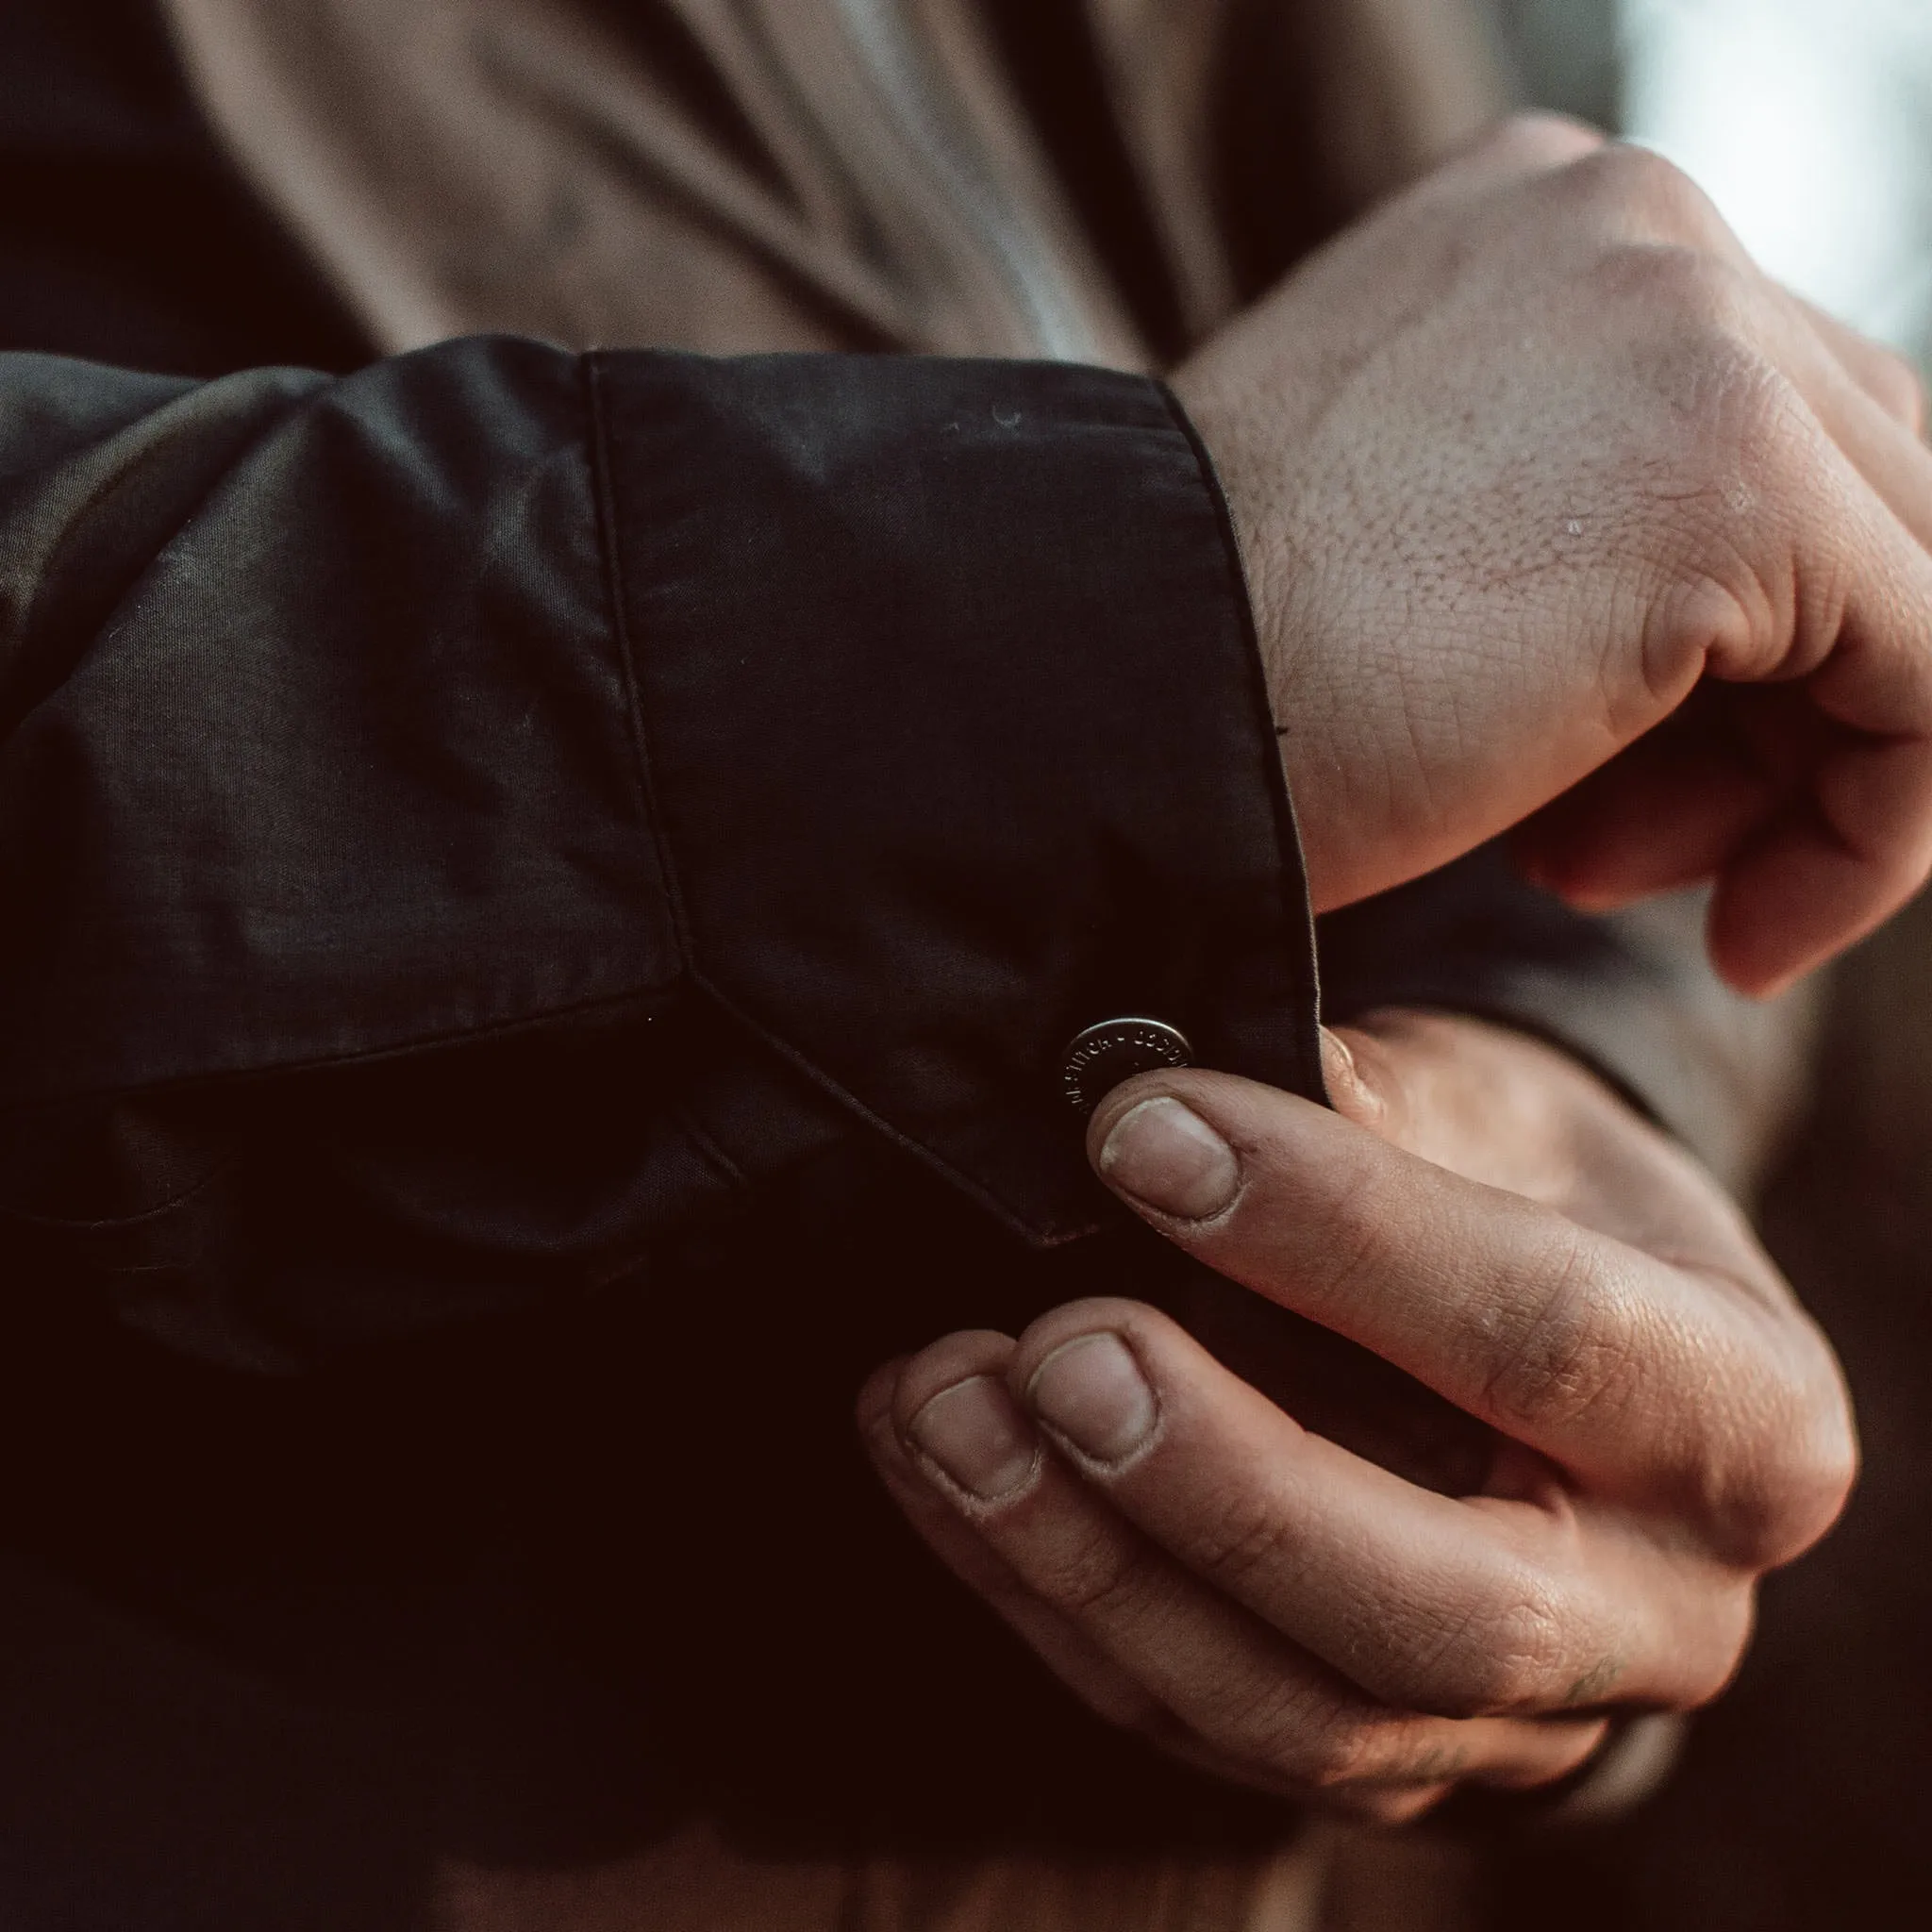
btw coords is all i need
(906, 710)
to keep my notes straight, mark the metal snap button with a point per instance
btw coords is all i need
(1115, 1050)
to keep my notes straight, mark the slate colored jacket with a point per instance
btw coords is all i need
(546, 893)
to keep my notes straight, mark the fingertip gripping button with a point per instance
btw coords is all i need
(1099, 1058)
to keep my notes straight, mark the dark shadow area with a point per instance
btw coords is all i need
(145, 1789)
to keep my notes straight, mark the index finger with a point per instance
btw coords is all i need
(1651, 1382)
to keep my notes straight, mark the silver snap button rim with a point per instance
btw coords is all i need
(1134, 1043)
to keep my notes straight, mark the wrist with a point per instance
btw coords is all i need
(1254, 487)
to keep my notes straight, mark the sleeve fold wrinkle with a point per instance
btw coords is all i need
(490, 808)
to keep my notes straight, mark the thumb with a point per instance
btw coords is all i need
(1499, 1305)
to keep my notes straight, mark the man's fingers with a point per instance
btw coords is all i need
(1827, 871)
(1586, 1349)
(1717, 774)
(1806, 859)
(1504, 1307)
(1521, 1604)
(1888, 379)
(1243, 1693)
(1106, 1689)
(1802, 868)
(1830, 859)
(1849, 849)
(1867, 400)
(1804, 865)
(1598, 846)
(951, 1524)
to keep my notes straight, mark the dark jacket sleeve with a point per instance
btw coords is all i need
(407, 775)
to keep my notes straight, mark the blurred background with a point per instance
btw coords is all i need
(1808, 121)
(1802, 1802)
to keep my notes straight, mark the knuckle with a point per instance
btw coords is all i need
(1242, 1534)
(1696, 1638)
(1297, 1732)
(1539, 137)
(1709, 1666)
(1358, 1243)
(1379, 1766)
(1343, 1753)
(1638, 191)
(1827, 1473)
(1753, 1446)
(1516, 1658)
(1684, 297)
(1787, 1488)
(1810, 1488)
(1090, 1574)
(1275, 1718)
(1574, 1349)
(1754, 423)
(1697, 326)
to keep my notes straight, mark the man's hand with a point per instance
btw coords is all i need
(1489, 1217)
(1520, 463)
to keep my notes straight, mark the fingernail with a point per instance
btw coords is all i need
(1348, 1092)
(1092, 1392)
(975, 1434)
(1338, 1062)
(1167, 1155)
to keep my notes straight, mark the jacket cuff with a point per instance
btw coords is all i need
(947, 693)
